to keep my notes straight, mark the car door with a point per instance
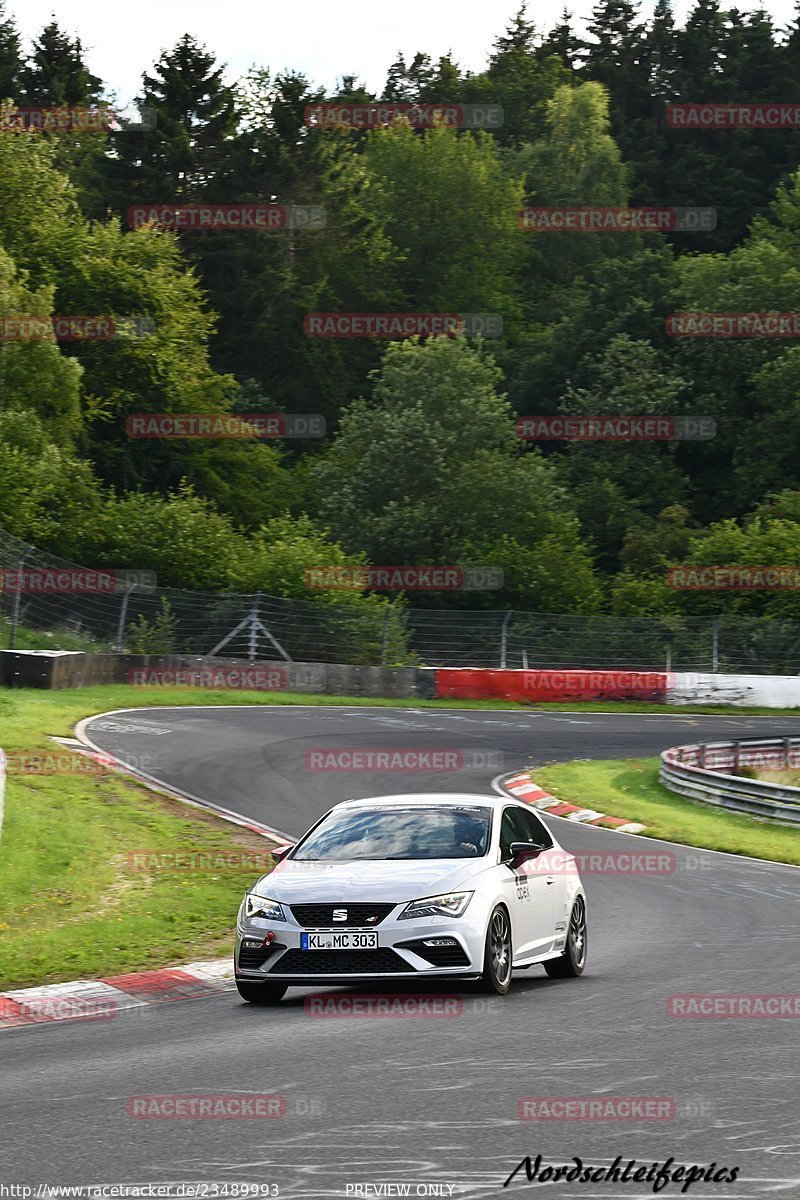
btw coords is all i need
(528, 893)
(551, 866)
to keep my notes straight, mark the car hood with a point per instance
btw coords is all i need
(317, 883)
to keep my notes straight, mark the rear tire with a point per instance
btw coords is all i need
(498, 954)
(261, 993)
(570, 964)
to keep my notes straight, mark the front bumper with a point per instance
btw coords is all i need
(401, 952)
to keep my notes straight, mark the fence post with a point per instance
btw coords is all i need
(715, 624)
(123, 616)
(12, 635)
(504, 638)
(385, 643)
(252, 644)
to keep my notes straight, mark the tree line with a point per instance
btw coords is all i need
(421, 462)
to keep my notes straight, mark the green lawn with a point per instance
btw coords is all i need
(630, 788)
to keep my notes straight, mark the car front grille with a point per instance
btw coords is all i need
(317, 916)
(439, 956)
(340, 962)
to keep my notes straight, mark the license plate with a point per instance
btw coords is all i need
(339, 941)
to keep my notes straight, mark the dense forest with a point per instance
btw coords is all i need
(421, 462)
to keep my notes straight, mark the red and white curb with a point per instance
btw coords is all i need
(104, 999)
(524, 788)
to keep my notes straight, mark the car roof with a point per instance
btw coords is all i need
(441, 799)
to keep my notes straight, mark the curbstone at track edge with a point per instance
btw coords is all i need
(523, 787)
(103, 999)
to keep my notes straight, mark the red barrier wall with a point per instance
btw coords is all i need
(467, 683)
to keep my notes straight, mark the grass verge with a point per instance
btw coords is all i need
(630, 788)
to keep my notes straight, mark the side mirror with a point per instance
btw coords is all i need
(279, 853)
(524, 852)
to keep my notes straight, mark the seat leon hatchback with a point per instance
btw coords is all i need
(434, 886)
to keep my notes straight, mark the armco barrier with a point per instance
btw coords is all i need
(465, 683)
(701, 772)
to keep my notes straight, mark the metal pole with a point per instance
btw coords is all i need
(715, 624)
(123, 616)
(504, 638)
(385, 645)
(252, 649)
(669, 659)
(12, 637)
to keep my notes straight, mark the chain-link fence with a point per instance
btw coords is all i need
(134, 616)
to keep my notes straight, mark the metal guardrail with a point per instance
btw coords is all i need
(707, 772)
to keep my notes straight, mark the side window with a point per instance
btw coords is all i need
(512, 829)
(537, 830)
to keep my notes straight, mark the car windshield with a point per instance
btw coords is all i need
(399, 833)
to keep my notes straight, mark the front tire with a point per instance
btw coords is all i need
(570, 964)
(261, 993)
(497, 955)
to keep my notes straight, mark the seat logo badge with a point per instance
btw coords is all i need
(340, 914)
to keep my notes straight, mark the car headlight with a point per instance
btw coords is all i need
(452, 904)
(262, 906)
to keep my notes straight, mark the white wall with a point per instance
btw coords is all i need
(768, 691)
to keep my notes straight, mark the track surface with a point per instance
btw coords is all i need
(435, 1101)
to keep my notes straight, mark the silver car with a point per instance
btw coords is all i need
(434, 886)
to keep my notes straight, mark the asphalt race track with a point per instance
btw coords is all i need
(434, 1101)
